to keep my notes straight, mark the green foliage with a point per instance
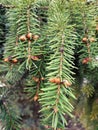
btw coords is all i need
(8, 113)
(22, 21)
(45, 64)
(88, 90)
(94, 113)
(9, 117)
(56, 98)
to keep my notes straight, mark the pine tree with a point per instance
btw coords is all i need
(50, 57)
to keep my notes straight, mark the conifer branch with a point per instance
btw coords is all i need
(60, 72)
(28, 19)
(61, 57)
(28, 29)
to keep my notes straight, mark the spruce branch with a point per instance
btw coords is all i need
(58, 69)
(28, 30)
